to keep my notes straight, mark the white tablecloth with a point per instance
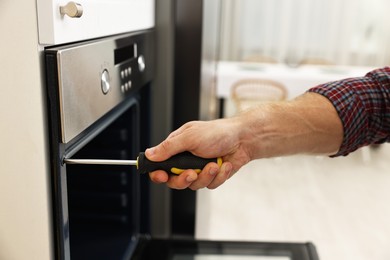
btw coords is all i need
(296, 80)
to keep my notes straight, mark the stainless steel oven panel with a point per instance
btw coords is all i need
(96, 76)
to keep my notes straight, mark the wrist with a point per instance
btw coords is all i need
(253, 131)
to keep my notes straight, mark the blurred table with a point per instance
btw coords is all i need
(296, 80)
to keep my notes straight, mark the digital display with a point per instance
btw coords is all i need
(124, 54)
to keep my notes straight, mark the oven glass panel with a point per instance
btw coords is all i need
(103, 200)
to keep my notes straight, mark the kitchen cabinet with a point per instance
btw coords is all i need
(25, 206)
(63, 21)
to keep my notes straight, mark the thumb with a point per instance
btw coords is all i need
(163, 151)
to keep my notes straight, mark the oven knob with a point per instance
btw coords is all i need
(105, 81)
(141, 63)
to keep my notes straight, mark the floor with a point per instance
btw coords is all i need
(342, 205)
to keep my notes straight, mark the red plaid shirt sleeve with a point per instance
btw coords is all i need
(363, 105)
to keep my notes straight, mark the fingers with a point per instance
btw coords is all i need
(159, 176)
(208, 174)
(224, 174)
(211, 177)
(182, 181)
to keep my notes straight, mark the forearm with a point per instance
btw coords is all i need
(308, 124)
(338, 118)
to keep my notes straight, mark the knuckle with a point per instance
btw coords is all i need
(166, 145)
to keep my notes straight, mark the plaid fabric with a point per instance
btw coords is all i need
(363, 105)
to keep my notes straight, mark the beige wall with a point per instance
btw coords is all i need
(24, 203)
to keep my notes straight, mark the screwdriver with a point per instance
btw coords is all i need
(176, 164)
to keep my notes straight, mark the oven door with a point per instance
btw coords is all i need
(101, 206)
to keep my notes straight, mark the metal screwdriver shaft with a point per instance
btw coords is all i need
(100, 161)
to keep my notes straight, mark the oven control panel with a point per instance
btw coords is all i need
(87, 80)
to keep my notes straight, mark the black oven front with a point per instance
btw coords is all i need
(98, 101)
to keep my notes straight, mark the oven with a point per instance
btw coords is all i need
(98, 102)
(100, 108)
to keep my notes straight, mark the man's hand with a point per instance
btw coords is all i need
(308, 124)
(204, 139)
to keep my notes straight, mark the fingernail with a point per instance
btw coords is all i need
(149, 151)
(213, 170)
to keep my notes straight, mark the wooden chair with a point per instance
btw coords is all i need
(315, 61)
(260, 58)
(248, 93)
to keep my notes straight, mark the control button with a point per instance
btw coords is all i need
(129, 83)
(126, 86)
(122, 74)
(129, 70)
(105, 82)
(141, 63)
(123, 88)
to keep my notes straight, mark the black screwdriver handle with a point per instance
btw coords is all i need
(176, 164)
